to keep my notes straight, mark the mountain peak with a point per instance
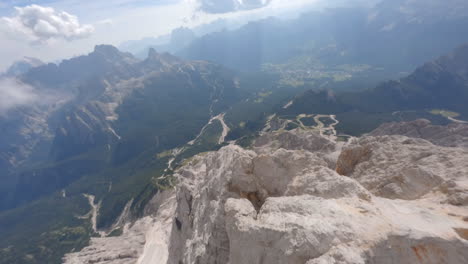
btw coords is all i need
(106, 50)
(152, 53)
(22, 66)
(112, 54)
(160, 59)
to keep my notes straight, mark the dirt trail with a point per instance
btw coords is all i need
(226, 129)
(94, 213)
(457, 121)
(223, 135)
(177, 151)
(286, 106)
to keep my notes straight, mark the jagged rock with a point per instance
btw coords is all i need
(308, 229)
(453, 135)
(112, 103)
(201, 195)
(405, 168)
(144, 241)
(350, 157)
(403, 200)
(294, 140)
(288, 206)
(21, 66)
(456, 191)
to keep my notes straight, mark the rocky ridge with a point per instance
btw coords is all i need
(453, 135)
(291, 199)
(95, 112)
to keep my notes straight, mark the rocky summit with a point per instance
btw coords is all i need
(248, 132)
(300, 197)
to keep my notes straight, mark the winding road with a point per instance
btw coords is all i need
(327, 131)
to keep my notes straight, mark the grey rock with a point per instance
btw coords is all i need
(281, 202)
(452, 135)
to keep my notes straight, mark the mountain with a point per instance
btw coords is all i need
(453, 135)
(178, 38)
(395, 36)
(113, 158)
(21, 67)
(410, 11)
(309, 187)
(438, 85)
(442, 83)
(301, 197)
(103, 61)
(116, 102)
(115, 122)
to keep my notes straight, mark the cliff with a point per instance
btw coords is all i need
(298, 197)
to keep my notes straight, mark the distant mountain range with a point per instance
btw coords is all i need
(21, 67)
(111, 117)
(105, 131)
(440, 84)
(113, 101)
(394, 35)
(118, 126)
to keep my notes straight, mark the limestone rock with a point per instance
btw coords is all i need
(405, 168)
(350, 157)
(294, 140)
(284, 203)
(400, 200)
(453, 135)
(142, 242)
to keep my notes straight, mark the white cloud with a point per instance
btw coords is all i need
(119, 20)
(41, 24)
(14, 93)
(226, 6)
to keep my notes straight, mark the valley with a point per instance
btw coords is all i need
(134, 161)
(329, 135)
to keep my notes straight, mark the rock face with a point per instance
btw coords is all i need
(21, 66)
(97, 98)
(453, 135)
(394, 199)
(141, 242)
(403, 201)
(406, 168)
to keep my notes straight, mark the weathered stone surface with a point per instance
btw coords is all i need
(453, 135)
(408, 168)
(144, 241)
(400, 200)
(294, 140)
(350, 157)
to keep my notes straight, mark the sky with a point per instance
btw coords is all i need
(53, 30)
(56, 29)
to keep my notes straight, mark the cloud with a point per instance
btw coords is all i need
(226, 6)
(41, 24)
(105, 22)
(14, 93)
